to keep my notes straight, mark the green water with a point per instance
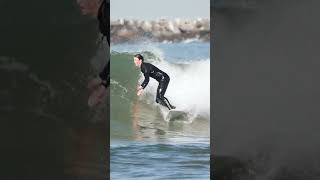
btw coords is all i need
(143, 144)
(47, 130)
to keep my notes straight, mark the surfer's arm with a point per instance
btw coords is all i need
(104, 75)
(146, 80)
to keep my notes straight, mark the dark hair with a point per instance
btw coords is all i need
(139, 56)
(104, 19)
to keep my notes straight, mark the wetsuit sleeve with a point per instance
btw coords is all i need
(104, 75)
(146, 80)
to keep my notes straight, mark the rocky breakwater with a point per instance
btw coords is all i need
(162, 30)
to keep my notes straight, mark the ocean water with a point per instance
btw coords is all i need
(266, 91)
(144, 145)
(47, 129)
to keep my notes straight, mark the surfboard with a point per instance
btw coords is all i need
(174, 115)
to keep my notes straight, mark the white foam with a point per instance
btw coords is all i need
(189, 87)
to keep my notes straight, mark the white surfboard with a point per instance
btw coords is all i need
(174, 115)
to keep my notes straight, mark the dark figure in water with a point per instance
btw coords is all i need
(99, 9)
(150, 70)
(103, 17)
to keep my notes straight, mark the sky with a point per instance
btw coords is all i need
(156, 9)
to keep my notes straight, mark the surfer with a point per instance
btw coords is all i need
(150, 70)
(100, 10)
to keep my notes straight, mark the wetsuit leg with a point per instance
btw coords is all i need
(161, 91)
(172, 107)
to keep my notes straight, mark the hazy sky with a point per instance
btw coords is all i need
(155, 9)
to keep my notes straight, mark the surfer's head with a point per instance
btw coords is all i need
(138, 60)
(89, 7)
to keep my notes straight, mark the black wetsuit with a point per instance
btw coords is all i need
(105, 75)
(150, 70)
(104, 26)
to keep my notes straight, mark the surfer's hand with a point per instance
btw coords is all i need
(139, 92)
(94, 83)
(139, 87)
(98, 96)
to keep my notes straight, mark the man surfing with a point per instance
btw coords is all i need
(150, 70)
(99, 9)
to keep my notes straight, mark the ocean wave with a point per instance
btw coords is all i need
(189, 87)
